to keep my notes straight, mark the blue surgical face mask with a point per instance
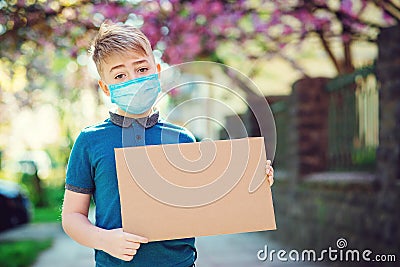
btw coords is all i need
(136, 96)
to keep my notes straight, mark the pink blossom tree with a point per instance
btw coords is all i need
(38, 35)
(188, 30)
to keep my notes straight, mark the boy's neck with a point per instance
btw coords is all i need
(134, 116)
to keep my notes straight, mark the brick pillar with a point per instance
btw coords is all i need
(388, 74)
(310, 112)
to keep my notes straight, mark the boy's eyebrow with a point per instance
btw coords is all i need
(116, 67)
(134, 63)
(141, 61)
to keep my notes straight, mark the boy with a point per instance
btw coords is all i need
(129, 76)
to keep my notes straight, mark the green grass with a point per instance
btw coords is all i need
(21, 253)
(52, 211)
(46, 214)
(54, 195)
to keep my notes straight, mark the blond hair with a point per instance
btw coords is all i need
(120, 39)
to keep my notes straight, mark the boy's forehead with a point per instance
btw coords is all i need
(118, 57)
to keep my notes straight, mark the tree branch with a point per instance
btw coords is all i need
(390, 8)
(339, 14)
(348, 59)
(328, 50)
(395, 4)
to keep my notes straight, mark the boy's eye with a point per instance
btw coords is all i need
(143, 70)
(119, 76)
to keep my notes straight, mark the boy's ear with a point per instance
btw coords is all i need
(158, 69)
(104, 87)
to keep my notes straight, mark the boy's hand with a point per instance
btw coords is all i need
(269, 172)
(121, 245)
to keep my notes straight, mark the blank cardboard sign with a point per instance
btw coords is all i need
(194, 189)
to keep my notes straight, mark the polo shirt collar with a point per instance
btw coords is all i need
(125, 122)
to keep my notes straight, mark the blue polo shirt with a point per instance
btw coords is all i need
(91, 170)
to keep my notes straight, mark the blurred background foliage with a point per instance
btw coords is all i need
(48, 88)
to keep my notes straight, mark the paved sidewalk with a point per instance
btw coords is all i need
(238, 250)
(66, 253)
(36, 231)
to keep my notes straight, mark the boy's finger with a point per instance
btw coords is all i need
(126, 257)
(268, 167)
(271, 181)
(132, 245)
(130, 251)
(136, 238)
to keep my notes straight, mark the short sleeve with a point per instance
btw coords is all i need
(79, 176)
(186, 137)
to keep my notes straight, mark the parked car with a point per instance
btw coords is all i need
(15, 207)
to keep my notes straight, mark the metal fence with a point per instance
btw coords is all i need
(353, 120)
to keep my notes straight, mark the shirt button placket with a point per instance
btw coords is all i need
(139, 133)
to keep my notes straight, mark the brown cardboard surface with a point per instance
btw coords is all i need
(194, 189)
